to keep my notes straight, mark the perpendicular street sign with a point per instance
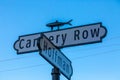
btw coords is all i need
(54, 56)
(78, 35)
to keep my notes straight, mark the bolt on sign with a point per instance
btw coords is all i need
(78, 35)
(54, 56)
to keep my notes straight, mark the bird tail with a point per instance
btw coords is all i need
(69, 22)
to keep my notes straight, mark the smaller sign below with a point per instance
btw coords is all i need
(54, 56)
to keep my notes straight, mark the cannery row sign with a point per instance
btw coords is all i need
(77, 35)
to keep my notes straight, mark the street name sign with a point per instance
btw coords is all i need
(27, 43)
(54, 56)
(78, 35)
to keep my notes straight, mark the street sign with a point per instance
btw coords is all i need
(78, 35)
(27, 43)
(54, 56)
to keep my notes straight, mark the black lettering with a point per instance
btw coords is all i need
(45, 47)
(20, 45)
(95, 32)
(59, 61)
(49, 51)
(57, 38)
(28, 43)
(85, 34)
(64, 65)
(67, 68)
(55, 55)
(35, 42)
(76, 35)
(64, 38)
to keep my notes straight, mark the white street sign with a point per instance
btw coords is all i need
(27, 43)
(78, 35)
(55, 57)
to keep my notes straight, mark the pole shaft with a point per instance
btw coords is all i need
(55, 74)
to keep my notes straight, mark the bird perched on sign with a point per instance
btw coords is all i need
(58, 24)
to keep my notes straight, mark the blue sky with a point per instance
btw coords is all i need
(99, 61)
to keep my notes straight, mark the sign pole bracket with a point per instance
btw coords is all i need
(55, 74)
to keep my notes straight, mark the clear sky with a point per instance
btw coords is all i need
(99, 61)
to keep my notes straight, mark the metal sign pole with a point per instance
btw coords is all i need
(55, 74)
